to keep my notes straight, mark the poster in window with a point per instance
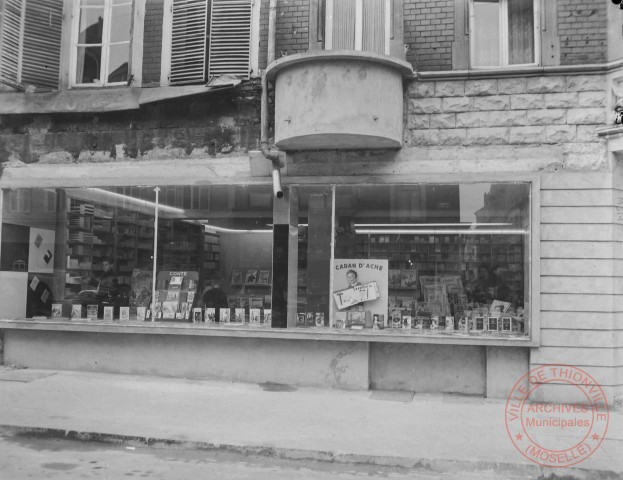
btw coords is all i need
(236, 276)
(250, 276)
(360, 284)
(40, 253)
(263, 277)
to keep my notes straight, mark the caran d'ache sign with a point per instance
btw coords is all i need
(360, 282)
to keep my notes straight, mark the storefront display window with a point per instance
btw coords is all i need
(427, 259)
(88, 254)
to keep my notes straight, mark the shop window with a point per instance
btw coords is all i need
(207, 38)
(30, 43)
(504, 32)
(420, 259)
(93, 258)
(101, 42)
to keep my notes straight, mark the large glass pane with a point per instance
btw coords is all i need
(89, 64)
(454, 254)
(486, 39)
(91, 26)
(92, 257)
(520, 31)
(118, 62)
(120, 23)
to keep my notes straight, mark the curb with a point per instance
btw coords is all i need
(423, 465)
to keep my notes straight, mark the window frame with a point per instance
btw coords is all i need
(167, 33)
(135, 45)
(504, 49)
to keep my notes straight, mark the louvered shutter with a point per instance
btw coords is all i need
(230, 37)
(188, 41)
(30, 43)
(41, 56)
(11, 35)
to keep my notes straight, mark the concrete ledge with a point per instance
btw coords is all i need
(311, 334)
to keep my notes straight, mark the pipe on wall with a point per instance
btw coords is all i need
(272, 155)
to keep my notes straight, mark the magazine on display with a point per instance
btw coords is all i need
(197, 315)
(236, 276)
(92, 311)
(108, 314)
(124, 314)
(210, 315)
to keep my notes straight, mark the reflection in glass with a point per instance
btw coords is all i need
(120, 23)
(486, 33)
(118, 62)
(91, 26)
(89, 64)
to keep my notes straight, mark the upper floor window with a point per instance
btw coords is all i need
(504, 33)
(101, 42)
(207, 38)
(363, 25)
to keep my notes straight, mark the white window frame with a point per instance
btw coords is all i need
(165, 54)
(504, 51)
(135, 45)
(358, 25)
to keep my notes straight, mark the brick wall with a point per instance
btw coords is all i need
(429, 33)
(583, 31)
(292, 28)
(513, 111)
(152, 41)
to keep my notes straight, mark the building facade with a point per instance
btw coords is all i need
(392, 194)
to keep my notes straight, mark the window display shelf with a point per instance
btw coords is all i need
(216, 330)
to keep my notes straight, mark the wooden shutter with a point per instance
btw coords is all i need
(41, 55)
(230, 37)
(11, 36)
(188, 41)
(30, 43)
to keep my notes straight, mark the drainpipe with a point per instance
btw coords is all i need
(272, 155)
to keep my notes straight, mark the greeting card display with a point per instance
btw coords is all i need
(177, 291)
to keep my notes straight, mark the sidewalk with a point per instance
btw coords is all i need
(435, 433)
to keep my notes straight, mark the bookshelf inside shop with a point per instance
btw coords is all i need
(445, 255)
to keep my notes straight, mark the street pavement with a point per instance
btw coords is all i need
(25, 457)
(430, 434)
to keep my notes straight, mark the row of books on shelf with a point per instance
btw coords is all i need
(476, 322)
(230, 316)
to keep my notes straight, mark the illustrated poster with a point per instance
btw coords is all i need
(360, 283)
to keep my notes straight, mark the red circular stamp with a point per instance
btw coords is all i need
(557, 434)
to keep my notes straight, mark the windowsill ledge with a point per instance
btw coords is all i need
(240, 331)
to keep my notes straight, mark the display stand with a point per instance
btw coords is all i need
(176, 293)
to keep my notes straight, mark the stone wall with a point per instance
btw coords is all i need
(200, 126)
(561, 110)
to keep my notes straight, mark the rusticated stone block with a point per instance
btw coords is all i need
(424, 137)
(491, 119)
(421, 89)
(561, 100)
(453, 136)
(475, 88)
(547, 117)
(451, 88)
(443, 120)
(546, 84)
(424, 105)
(492, 102)
(456, 104)
(527, 101)
(511, 86)
(585, 83)
(587, 134)
(526, 135)
(560, 133)
(586, 116)
(592, 99)
(487, 136)
(415, 122)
